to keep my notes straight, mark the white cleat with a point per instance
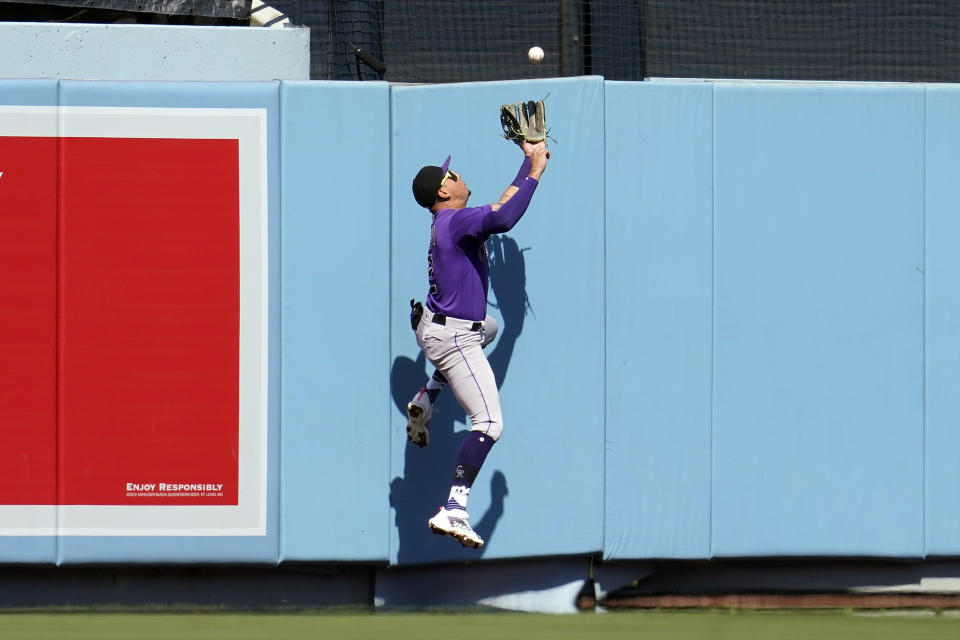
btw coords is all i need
(454, 523)
(419, 411)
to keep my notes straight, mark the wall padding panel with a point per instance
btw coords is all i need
(336, 291)
(942, 443)
(547, 295)
(28, 277)
(818, 320)
(169, 322)
(659, 178)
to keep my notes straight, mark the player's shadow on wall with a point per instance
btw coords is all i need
(427, 473)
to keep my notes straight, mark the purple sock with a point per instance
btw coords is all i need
(473, 451)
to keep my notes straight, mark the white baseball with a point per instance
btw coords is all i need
(535, 54)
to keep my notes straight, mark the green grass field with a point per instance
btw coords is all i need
(647, 625)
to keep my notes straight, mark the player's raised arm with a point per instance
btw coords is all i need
(504, 214)
(526, 170)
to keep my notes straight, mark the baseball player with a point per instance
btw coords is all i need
(451, 328)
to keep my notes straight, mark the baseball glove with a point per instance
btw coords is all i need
(524, 122)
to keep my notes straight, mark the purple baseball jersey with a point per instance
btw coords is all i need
(457, 259)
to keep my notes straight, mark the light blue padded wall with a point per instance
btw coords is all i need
(256, 548)
(659, 203)
(335, 345)
(942, 443)
(15, 548)
(717, 338)
(818, 320)
(546, 473)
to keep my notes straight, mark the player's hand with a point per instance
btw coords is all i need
(538, 155)
(530, 147)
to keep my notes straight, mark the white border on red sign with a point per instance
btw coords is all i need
(249, 516)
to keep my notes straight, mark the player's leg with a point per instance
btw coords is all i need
(420, 407)
(474, 386)
(473, 383)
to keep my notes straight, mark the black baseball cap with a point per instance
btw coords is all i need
(427, 183)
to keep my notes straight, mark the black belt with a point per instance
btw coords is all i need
(439, 318)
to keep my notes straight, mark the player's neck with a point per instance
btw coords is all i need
(449, 204)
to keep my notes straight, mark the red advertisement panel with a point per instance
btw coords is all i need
(28, 260)
(149, 320)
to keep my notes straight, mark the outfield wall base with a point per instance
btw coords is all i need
(546, 586)
(185, 587)
(789, 601)
(794, 583)
(558, 585)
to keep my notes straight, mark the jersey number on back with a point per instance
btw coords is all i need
(430, 277)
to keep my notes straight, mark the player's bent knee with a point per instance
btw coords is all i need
(491, 429)
(490, 330)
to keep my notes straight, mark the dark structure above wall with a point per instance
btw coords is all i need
(180, 12)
